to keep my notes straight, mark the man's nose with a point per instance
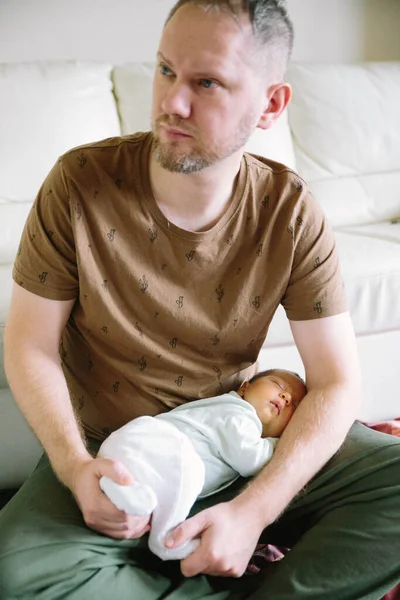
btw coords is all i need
(177, 100)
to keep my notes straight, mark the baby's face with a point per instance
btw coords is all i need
(274, 397)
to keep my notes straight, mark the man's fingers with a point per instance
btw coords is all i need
(128, 529)
(109, 511)
(187, 530)
(115, 470)
(192, 566)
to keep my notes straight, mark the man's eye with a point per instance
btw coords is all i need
(164, 70)
(207, 83)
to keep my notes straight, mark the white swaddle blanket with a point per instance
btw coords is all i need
(192, 451)
(169, 476)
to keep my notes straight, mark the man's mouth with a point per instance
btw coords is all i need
(170, 130)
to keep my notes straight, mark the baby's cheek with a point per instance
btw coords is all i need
(289, 415)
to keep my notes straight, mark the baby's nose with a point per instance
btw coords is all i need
(286, 396)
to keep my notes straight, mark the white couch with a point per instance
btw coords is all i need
(342, 133)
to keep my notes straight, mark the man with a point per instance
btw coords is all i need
(162, 258)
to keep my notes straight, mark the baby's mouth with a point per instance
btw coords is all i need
(277, 406)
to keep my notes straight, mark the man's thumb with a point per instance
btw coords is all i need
(116, 471)
(187, 530)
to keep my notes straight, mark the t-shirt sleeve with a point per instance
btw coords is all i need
(315, 287)
(46, 262)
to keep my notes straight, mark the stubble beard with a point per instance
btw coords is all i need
(172, 159)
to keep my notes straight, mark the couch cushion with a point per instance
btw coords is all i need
(3, 380)
(5, 296)
(50, 108)
(370, 259)
(346, 125)
(19, 449)
(12, 220)
(133, 90)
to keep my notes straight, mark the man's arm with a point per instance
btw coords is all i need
(33, 334)
(319, 426)
(317, 429)
(32, 339)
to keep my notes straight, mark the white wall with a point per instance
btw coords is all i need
(127, 30)
(346, 30)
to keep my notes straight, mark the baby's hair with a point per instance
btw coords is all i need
(271, 372)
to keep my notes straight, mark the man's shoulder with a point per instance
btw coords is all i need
(283, 190)
(273, 170)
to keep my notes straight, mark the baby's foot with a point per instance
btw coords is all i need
(137, 499)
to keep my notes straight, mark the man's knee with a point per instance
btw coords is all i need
(30, 557)
(11, 569)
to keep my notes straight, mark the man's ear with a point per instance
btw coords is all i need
(278, 97)
(243, 388)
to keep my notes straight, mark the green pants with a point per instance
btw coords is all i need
(344, 531)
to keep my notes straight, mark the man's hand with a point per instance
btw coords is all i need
(98, 511)
(229, 534)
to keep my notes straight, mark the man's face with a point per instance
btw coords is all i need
(274, 397)
(207, 96)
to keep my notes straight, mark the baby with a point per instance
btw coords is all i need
(198, 449)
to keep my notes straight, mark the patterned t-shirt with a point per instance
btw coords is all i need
(163, 315)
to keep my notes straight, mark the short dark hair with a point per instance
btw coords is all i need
(269, 19)
(271, 372)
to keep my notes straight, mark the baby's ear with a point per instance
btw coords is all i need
(243, 388)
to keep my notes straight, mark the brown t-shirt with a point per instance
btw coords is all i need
(163, 315)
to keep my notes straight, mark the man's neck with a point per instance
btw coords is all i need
(195, 201)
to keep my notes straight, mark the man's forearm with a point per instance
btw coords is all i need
(39, 387)
(314, 434)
